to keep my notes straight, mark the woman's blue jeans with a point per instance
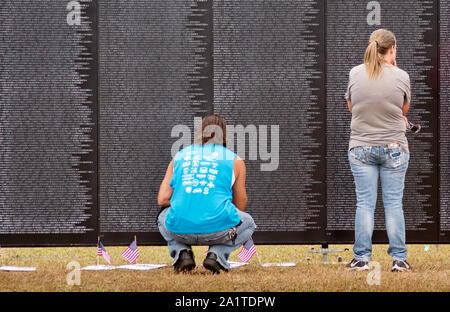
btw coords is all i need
(218, 242)
(390, 165)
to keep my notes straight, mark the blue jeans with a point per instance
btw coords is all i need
(390, 164)
(218, 242)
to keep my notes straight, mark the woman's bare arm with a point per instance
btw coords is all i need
(165, 190)
(405, 109)
(239, 191)
(349, 104)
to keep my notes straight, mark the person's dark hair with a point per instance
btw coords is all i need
(212, 131)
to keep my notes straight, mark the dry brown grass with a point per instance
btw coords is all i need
(431, 271)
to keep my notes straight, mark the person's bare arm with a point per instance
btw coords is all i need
(405, 109)
(349, 104)
(165, 190)
(239, 191)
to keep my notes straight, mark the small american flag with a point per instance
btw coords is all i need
(247, 251)
(131, 253)
(101, 251)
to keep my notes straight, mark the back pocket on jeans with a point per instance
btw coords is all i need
(358, 154)
(396, 158)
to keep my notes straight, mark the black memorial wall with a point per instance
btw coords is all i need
(96, 96)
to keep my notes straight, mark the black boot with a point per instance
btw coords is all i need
(210, 263)
(185, 261)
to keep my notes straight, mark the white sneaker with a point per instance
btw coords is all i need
(358, 265)
(400, 266)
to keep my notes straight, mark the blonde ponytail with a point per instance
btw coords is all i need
(373, 63)
(380, 42)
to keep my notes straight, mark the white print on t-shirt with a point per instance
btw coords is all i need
(199, 174)
(211, 177)
(187, 177)
(213, 171)
(213, 157)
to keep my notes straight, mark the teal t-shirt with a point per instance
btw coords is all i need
(202, 199)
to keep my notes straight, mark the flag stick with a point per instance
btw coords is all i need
(98, 245)
(135, 262)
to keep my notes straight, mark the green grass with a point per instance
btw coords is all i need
(431, 271)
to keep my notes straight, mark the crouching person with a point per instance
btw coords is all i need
(204, 190)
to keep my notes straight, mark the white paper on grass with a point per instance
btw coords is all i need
(235, 264)
(17, 269)
(141, 266)
(283, 264)
(100, 267)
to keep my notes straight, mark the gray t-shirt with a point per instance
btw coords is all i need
(377, 117)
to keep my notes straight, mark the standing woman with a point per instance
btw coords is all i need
(378, 96)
